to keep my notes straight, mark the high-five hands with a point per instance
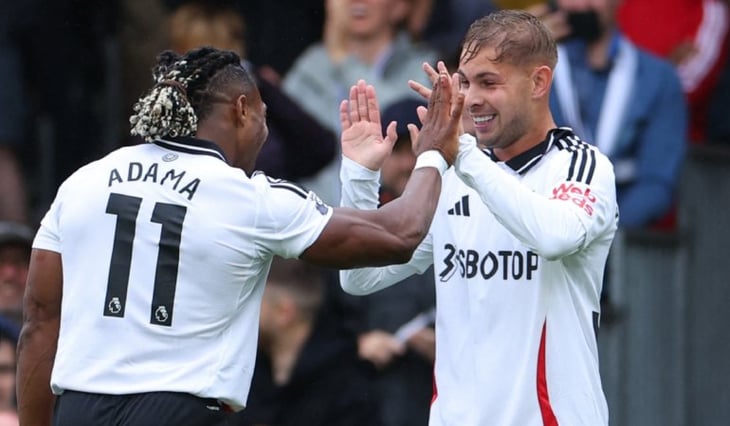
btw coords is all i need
(362, 138)
(442, 119)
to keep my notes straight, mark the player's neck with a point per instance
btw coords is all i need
(218, 132)
(533, 137)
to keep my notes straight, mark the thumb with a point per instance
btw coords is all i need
(390, 134)
(422, 111)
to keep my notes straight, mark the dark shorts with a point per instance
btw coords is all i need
(144, 409)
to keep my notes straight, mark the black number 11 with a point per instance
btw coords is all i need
(171, 217)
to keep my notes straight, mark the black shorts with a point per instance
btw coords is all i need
(143, 409)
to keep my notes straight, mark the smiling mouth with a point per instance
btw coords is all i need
(483, 119)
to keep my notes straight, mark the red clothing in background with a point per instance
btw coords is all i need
(663, 26)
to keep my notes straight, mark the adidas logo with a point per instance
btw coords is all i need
(461, 208)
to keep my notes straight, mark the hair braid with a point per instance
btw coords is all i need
(173, 106)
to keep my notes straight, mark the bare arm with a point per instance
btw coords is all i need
(390, 234)
(355, 238)
(38, 338)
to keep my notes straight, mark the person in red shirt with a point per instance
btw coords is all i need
(694, 35)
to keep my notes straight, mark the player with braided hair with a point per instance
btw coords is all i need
(166, 110)
(161, 250)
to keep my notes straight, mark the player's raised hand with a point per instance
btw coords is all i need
(362, 135)
(433, 75)
(425, 92)
(442, 120)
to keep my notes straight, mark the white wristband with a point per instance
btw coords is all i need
(431, 158)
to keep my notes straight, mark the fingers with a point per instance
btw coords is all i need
(441, 66)
(390, 133)
(439, 96)
(372, 105)
(423, 91)
(413, 132)
(421, 111)
(432, 74)
(345, 122)
(362, 100)
(362, 105)
(457, 98)
(354, 113)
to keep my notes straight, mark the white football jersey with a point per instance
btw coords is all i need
(519, 250)
(165, 251)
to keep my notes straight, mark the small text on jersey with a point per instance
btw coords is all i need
(137, 172)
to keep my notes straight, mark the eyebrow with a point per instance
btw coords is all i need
(478, 76)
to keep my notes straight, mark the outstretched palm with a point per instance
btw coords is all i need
(362, 138)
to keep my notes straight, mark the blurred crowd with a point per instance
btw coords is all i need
(642, 79)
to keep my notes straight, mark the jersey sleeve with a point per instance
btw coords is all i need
(578, 209)
(360, 190)
(290, 219)
(48, 236)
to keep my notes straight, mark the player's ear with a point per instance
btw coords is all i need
(241, 107)
(542, 77)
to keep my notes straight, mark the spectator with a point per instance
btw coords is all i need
(14, 113)
(625, 101)
(15, 246)
(8, 343)
(398, 335)
(297, 146)
(362, 39)
(277, 32)
(307, 373)
(692, 34)
(13, 196)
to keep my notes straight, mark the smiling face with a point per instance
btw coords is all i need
(506, 72)
(497, 98)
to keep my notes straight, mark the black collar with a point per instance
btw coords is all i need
(192, 145)
(523, 162)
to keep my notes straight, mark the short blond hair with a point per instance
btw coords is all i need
(518, 37)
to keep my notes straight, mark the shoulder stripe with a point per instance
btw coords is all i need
(583, 157)
(283, 184)
(583, 161)
(572, 165)
(592, 167)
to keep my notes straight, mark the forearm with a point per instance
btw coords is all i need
(36, 352)
(360, 188)
(360, 185)
(364, 281)
(409, 216)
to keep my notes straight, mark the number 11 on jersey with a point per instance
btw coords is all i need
(170, 217)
